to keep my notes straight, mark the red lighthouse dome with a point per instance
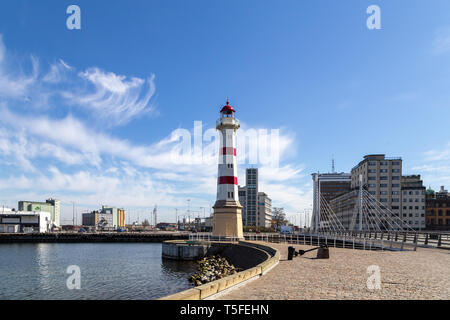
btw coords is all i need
(227, 109)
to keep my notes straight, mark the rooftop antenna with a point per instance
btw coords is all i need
(332, 165)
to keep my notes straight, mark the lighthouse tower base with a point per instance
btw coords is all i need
(228, 219)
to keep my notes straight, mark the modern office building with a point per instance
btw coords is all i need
(345, 207)
(251, 209)
(256, 206)
(413, 202)
(264, 210)
(50, 205)
(329, 186)
(438, 209)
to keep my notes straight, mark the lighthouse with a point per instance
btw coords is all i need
(227, 209)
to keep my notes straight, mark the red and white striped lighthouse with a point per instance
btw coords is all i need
(227, 209)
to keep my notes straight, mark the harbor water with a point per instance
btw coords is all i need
(107, 271)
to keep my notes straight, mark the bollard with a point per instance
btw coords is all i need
(291, 252)
(440, 240)
(323, 253)
(426, 239)
(304, 239)
(364, 246)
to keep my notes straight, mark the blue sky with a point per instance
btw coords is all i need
(87, 115)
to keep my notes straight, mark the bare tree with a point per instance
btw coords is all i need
(279, 217)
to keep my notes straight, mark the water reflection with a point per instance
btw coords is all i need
(108, 271)
(43, 252)
(174, 266)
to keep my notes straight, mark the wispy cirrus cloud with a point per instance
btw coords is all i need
(13, 82)
(110, 96)
(113, 96)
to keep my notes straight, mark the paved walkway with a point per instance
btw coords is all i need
(424, 274)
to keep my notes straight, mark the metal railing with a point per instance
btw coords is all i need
(365, 240)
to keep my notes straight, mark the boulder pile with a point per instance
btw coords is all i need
(210, 269)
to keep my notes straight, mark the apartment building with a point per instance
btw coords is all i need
(401, 197)
(382, 176)
(413, 202)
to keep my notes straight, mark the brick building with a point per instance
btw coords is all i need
(438, 210)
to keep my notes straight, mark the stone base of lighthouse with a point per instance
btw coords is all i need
(228, 219)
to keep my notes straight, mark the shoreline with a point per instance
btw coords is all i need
(90, 237)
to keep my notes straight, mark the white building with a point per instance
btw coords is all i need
(264, 210)
(25, 221)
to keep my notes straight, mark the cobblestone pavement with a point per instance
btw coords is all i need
(424, 274)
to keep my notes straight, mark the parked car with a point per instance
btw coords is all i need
(120, 230)
(82, 230)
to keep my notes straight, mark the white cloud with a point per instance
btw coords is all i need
(69, 159)
(13, 83)
(117, 99)
(438, 155)
(434, 166)
(114, 97)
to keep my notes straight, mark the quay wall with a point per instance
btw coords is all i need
(89, 237)
(213, 288)
(240, 255)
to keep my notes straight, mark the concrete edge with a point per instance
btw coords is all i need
(211, 289)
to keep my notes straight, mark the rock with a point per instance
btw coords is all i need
(210, 269)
